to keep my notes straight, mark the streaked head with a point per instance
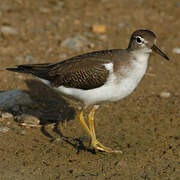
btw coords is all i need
(144, 41)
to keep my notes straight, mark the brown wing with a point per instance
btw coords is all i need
(86, 71)
(83, 73)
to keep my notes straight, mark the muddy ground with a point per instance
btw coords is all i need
(144, 125)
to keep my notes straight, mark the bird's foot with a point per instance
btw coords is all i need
(97, 145)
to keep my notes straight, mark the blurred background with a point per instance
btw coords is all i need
(39, 133)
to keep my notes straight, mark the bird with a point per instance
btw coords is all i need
(99, 76)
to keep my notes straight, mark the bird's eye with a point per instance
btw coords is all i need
(138, 40)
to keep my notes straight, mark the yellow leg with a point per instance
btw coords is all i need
(94, 142)
(82, 121)
(91, 122)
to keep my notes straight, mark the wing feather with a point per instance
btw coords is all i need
(84, 74)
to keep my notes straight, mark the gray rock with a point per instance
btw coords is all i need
(176, 50)
(28, 120)
(75, 42)
(26, 59)
(29, 58)
(178, 4)
(19, 59)
(165, 94)
(6, 115)
(4, 129)
(102, 37)
(23, 132)
(122, 25)
(9, 99)
(7, 30)
(88, 34)
(63, 56)
(91, 45)
(44, 10)
(60, 4)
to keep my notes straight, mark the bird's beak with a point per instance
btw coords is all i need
(157, 50)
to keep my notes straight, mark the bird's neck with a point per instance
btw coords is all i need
(141, 57)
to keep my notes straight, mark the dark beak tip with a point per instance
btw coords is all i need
(166, 57)
(157, 50)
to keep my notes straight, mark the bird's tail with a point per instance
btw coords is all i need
(38, 70)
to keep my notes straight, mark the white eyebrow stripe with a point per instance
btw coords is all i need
(145, 41)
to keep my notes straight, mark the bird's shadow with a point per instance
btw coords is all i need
(49, 108)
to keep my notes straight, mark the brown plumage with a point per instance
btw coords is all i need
(85, 72)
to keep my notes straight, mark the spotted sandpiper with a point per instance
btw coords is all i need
(99, 76)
